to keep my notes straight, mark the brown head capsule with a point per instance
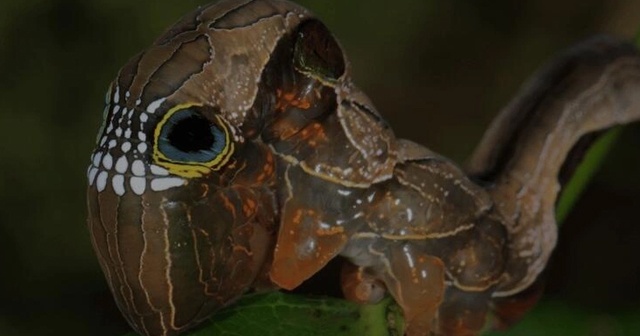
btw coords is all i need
(181, 189)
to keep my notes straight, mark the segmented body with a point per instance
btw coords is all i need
(237, 153)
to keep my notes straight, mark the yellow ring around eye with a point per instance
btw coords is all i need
(191, 169)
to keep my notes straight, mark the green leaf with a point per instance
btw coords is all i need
(282, 314)
(560, 318)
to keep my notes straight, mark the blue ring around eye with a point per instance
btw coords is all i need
(187, 136)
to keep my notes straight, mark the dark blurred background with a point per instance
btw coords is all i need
(439, 70)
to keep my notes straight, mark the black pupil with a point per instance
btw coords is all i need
(192, 134)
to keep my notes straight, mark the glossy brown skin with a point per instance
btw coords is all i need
(300, 168)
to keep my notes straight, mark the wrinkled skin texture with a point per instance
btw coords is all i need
(236, 153)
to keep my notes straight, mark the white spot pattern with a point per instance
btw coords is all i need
(116, 95)
(138, 185)
(164, 183)
(137, 168)
(92, 174)
(142, 147)
(118, 184)
(126, 147)
(97, 158)
(101, 182)
(107, 161)
(122, 164)
(157, 170)
(121, 160)
(153, 107)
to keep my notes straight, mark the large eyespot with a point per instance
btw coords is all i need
(189, 144)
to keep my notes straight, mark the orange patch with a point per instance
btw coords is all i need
(290, 99)
(267, 170)
(239, 248)
(313, 134)
(248, 207)
(228, 205)
(329, 232)
(205, 190)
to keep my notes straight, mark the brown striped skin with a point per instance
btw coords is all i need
(237, 153)
(171, 258)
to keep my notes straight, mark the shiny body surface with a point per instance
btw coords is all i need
(237, 153)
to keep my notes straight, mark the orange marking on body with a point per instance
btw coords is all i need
(320, 131)
(302, 104)
(297, 218)
(269, 168)
(237, 248)
(203, 232)
(228, 205)
(331, 231)
(249, 207)
(290, 99)
(266, 173)
(289, 96)
(313, 134)
(205, 190)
